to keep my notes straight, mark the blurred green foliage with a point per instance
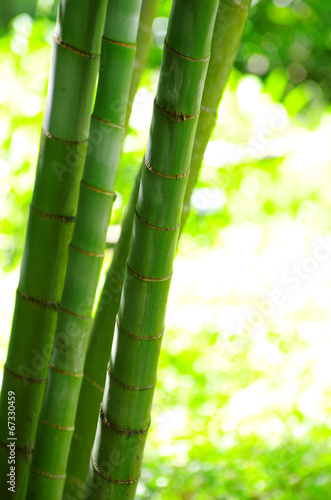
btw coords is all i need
(267, 163)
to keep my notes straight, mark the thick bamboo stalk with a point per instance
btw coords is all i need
(229, 26)
(131, 375)
(74, 66)
(57, 417)
(99, 346)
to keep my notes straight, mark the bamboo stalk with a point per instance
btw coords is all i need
(131, 375)
(57, 417)
(229, 26)
(74, 66)
(99, 346)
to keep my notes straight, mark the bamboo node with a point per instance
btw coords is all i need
(167, 176)
(111, 479)
(43, 303)
(91, 254)
(65, 141)
(59, 218)
(64, 372)
(176, 116)
(94, 383)
(31, 380)
(148, 278)
(126, 386)
(79, 52)
(158, 228)
(55, 426)
(107, 122)
(74, 314)
(184, 56)
(97, 190)
(121, 44)
(153, 337)
(25, 450)
(47, 474)
(119, 430)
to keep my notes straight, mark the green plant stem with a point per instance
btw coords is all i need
(74, 66)
(57, 417)
(131, 375)
(229, 26)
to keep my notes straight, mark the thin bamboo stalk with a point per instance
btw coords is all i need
(74, 66)
(99, 346)
(229, 26)
(57, 417)
(131, 375)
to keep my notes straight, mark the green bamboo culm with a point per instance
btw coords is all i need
(57, 417)
(100, 339)
(63, 144)
(229, 27)
(131, 375)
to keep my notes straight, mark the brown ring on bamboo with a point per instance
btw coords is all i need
(28, 448)
(91, 254)
(97, 190)
(184, 56)
(76, 482)
(47, 474)
(121, 44)
(55, 426)
(167, 176)
(93, 382)
(79, 52)
(28, 379)
(154, 337)
(43, 303)
(58, 218)
(176, 116)
(120, 430)
(74, 314)
(158, 228)
(107, 122)
(65, 141)
(126, 386)
(64, 372)
(151, 279)
(111, 479)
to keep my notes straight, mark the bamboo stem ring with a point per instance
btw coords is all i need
(120, 430)
(126, 386)
(111, 479)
